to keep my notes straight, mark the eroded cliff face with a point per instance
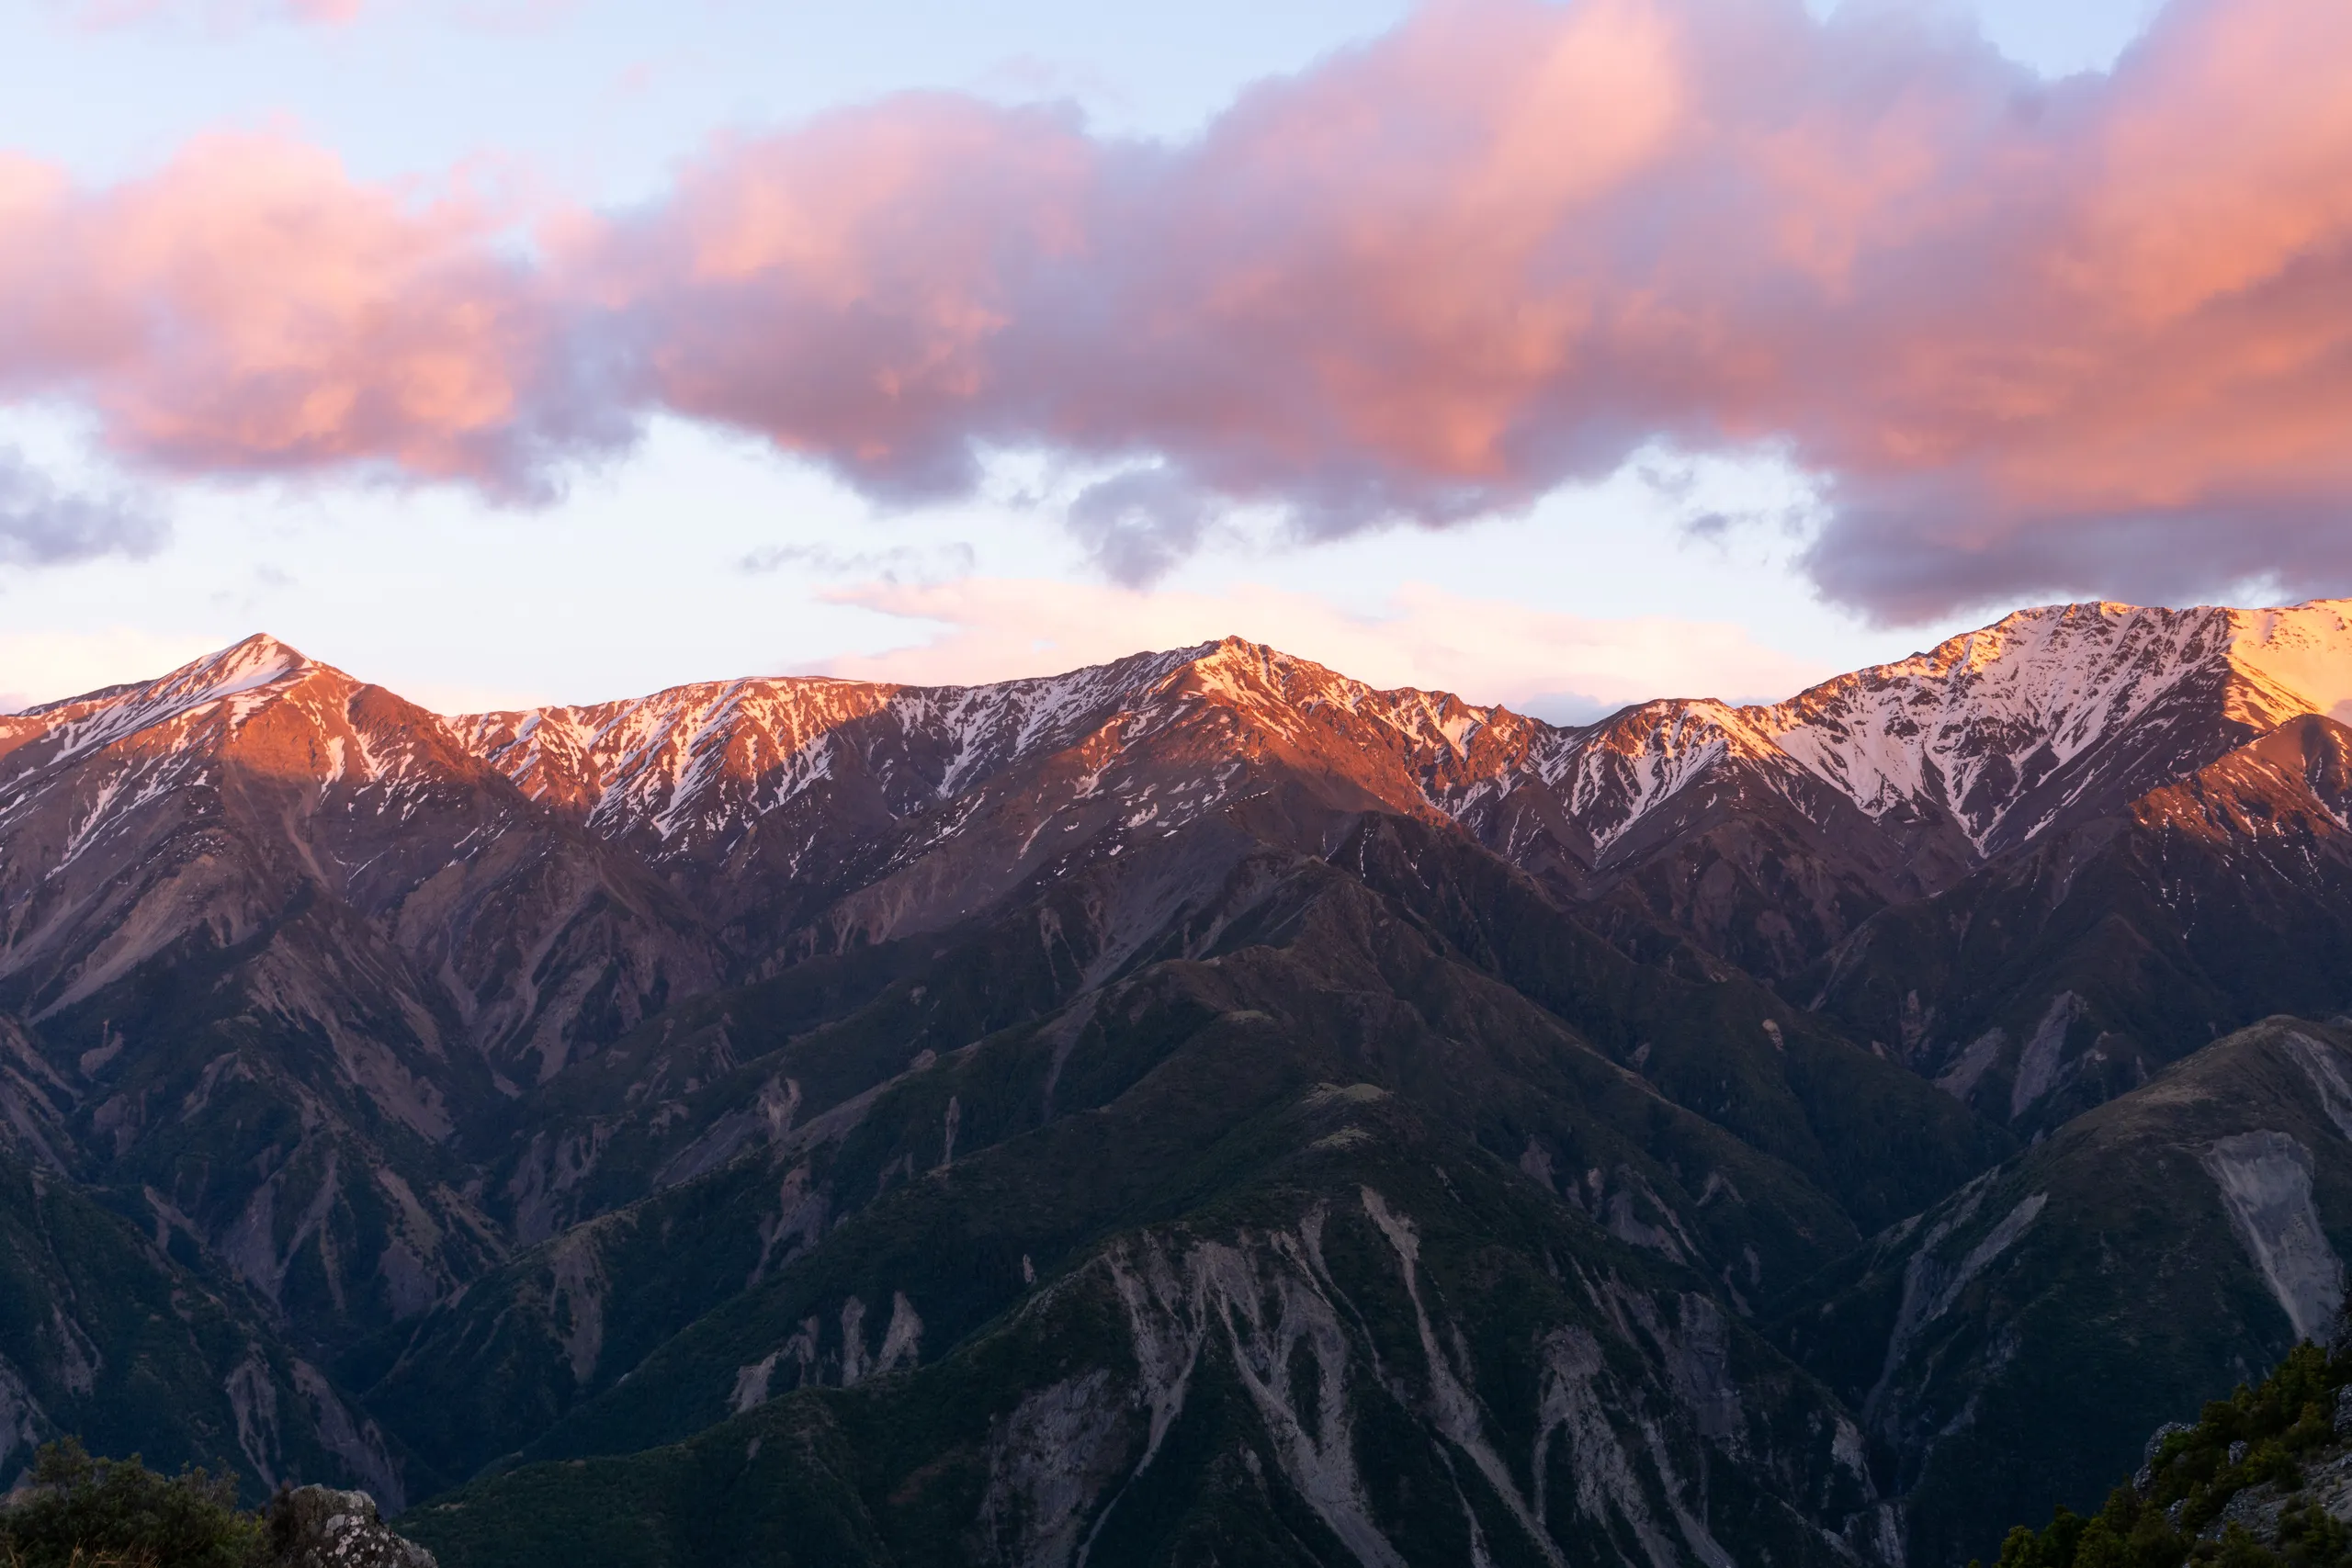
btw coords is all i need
(979, 1170)
(1354, 1384)
(2054, 978)
(271, 936)
(105, 1336)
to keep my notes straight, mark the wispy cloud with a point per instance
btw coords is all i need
(1484, 649)
(2027, 336)
(211, 15)
(891, 565)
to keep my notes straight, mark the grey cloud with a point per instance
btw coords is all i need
(1932, 549)
(42, 524)
(1139, 525)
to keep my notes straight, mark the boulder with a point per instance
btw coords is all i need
(318, 1527)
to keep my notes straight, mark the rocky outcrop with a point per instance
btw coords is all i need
(318, 1527)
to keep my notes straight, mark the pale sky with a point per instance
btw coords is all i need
(703, 551)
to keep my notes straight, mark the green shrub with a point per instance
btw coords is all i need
(97, 1513)
(2310, 1537)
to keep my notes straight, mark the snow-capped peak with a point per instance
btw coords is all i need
(2000, 730)
(2301, 654)
(85, 722)
(256, 662)
(259, 702)
(1978, 723)
(694, 766)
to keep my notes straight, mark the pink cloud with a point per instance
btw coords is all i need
(2094, 334)
(217, 15)
(249, 308)
(1483, 649)
(2023, 330)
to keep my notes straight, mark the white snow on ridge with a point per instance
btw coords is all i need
(2040, 687)
(215, 693)
(694, 764)
(2303, 652)
(686, 761)
(1962, 726)
(147, 740)
(85, 724)
(1612, 777)
(2029, 693)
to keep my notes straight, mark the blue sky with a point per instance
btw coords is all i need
(704, 553)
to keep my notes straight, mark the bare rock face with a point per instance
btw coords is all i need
(318, 1527)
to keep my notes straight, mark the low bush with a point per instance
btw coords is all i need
(82, 1512)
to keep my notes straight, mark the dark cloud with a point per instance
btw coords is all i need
(1136, 526)
(1930, 552)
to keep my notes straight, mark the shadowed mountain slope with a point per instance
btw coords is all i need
(1366, 1341)
(969, 1169)
(272, 937)
(2015, 1344)
(2049, 981)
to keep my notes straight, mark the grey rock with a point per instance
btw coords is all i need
(2344, 1412)
(318, 1527)
(2265, 1179)
(2253, 1509)
(2238, 1452)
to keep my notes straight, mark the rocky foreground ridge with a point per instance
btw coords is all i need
(2261, 1479)
(1198, 1108)
(318, 1527)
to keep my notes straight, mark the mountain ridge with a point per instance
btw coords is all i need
(533, 1083)
(2096, 661)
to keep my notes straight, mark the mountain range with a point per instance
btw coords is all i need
(1195, 1108)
